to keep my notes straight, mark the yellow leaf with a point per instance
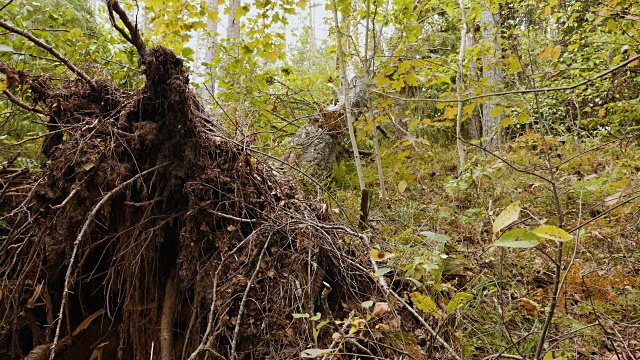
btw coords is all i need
(398, 84)
(612, 25)
(381, 80)
(547, 10)
(497, 111)
(544, 53)
(271, 55)
(3, 85)
(302, 4)
(378, 255)
(382, 327)
(450, 112)
(552, 233)
(555, 53)
(411, 79)
(424, 303)
(523, 117)
(507, 216)
(231, 228)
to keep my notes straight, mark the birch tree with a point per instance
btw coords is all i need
(494, 77)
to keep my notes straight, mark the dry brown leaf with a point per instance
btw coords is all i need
(530, 306)
(380, 309)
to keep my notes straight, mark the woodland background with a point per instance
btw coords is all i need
(476, 163)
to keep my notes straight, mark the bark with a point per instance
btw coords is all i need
(459, 85)
(493, 74)
(209, 87)
(474, 124)
(233, 25)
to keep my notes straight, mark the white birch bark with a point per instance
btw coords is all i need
(491, 124)
(459, 84)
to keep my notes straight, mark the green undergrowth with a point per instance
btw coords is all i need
(438, 224)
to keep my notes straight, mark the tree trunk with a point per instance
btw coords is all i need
(233, 25)
(209, 86)
(459, 85)
(493, 74)
(474, 124)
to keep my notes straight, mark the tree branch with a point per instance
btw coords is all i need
(134, 34)
(523, 91)
(51, 51)
(17, 101)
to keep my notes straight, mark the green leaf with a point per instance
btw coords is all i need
(612, 25)
(519, 238)
(552, 233)
(5, 48)
(402, 186)
(436, 237)
(242, 11)
(382, 271)
(507, 216)
(548, 356)
(458, 301)
(424, 303)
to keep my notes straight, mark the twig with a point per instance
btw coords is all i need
(426, 326)
(236, 331)
(205, 339)
(335, 340)
(17, 101)
(523, 91)
(5, 5)
(66, 200)
(51, 51)
(232, 217)
(76, 245)
(508, 163)
(10, 180)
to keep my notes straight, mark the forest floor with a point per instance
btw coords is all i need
(438, 225)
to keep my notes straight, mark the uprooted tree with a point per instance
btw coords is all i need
(151, 232)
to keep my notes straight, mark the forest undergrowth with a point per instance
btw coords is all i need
(438, 225)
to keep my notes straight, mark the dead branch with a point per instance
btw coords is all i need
(168, 313)
(244, 298)
(66, 201)
(51, 51)
(133, 36)
(76, 245)
(17, 101)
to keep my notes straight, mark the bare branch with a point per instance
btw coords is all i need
(17, 101)
(133, 36)
(51, 51)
